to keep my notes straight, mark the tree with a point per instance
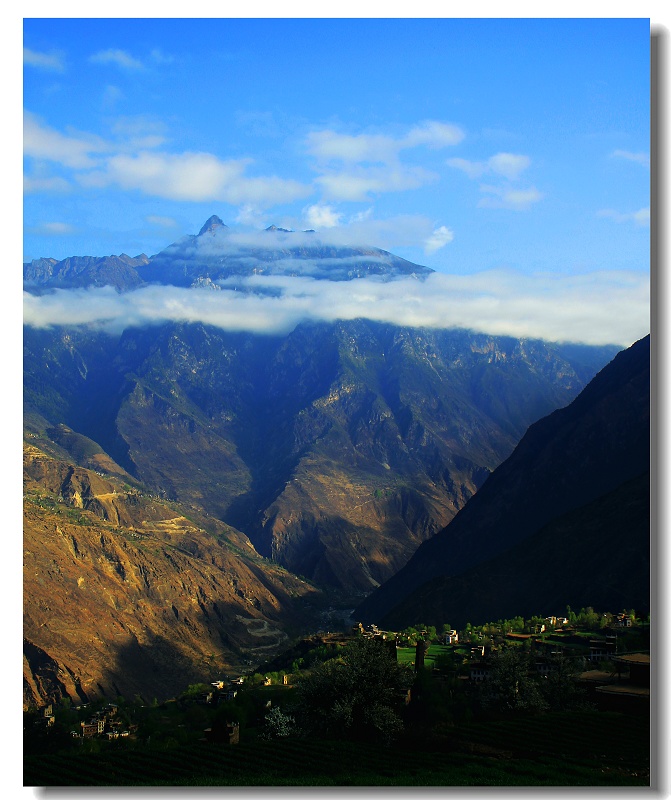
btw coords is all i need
(278, 724)
(559, 687)
(511, 685)
(193, 690)
(589, 618)
(358, 695)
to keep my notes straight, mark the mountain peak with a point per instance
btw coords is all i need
(211, 225)
(275, 229)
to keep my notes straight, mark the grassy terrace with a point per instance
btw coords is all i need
(406, 655)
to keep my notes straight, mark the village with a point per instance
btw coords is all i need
(606, 656)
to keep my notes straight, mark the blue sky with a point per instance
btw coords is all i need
(468, 146)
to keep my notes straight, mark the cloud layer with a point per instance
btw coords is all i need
(358, 231)
(328, 145)
(598, 308)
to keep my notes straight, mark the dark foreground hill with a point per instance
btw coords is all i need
(565, 520)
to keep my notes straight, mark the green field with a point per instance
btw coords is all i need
(406, 655)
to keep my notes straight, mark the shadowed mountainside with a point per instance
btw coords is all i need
(575, 490)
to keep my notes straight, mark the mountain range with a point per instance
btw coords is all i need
(216, 254)
(313, 462)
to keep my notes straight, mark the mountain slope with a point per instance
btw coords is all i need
(597, 555)
(564, 462)
(127, 594)
(337, 448)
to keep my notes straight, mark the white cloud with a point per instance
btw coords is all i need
(53, 183)
(321, 216)
(358, 183)
(194, 177)
(119, 57)
(433, 134)
(53, 61)
(53, 229)
(329, 145)
(439, 238)
(249, 214)
(361, 216)
(42, 142)
(502, 197)
(640, 158)
(161, 222)
(474, 169)
(135, 165)
(189, 176)
(138, 133)
(361, 231)
(509, 165)
(640, 217)
(599, 308)
(159, 57)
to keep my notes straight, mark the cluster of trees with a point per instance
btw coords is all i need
(514, 685)
(589, 618)
(361, 694)
(586, 618)
(358, 695)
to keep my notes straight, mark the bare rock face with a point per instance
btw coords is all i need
(124, 595)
